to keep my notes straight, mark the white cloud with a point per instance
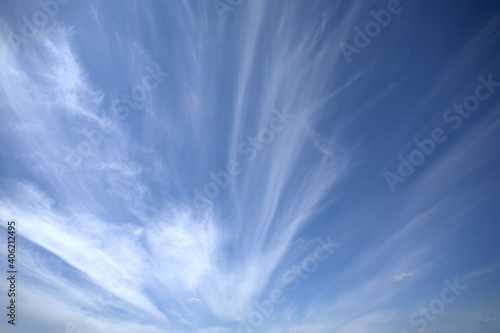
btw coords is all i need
(403, 275)
(485, 320)
(121, 221)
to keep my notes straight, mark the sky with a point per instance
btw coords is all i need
(250, 166)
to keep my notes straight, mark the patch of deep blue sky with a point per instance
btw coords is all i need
(136, 253)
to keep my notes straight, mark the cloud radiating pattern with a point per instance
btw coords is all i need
(170, 170)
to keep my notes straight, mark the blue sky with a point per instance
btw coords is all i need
(251, 166)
